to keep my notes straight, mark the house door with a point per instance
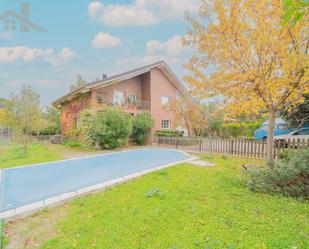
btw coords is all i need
(118, 98)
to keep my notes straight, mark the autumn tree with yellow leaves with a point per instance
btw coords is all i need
(256, 63)
(188, 113)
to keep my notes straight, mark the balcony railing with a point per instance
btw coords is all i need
(134, 104)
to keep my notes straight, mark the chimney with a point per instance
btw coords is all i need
(24, 9)
(104, 76)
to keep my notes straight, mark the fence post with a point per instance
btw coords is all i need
(176, 142)
(158, 141)
(232, 146)
(200, 145)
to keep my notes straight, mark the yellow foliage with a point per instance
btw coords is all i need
(188, 113)
(256, 63)
(5, 117)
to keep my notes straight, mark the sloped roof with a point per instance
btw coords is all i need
(124, 76)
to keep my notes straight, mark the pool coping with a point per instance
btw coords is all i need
(53, 201)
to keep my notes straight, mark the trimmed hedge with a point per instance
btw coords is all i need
(168, 133)
(239, 129)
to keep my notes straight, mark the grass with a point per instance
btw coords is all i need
(182, 207)
(13, 155)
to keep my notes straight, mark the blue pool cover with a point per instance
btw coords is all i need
(24, 185)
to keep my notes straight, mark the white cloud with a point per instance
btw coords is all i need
(105, 40)
(26, 54)
(22, 53)
(173, 46)
(141, 12)
(64, 56)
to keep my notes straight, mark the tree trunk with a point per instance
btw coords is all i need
(188, 128)
(270, 138)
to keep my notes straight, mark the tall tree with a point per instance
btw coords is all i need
(52, 116)
(188, 113)
(25, 115)
(256, 63)
(78, 84)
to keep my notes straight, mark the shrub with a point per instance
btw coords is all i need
(72, 138)
(240, 129)
(72, 134)
(169, 133)
(112, 127)
(289, 176)
(49, 130)
(72, 143)
(87, 119)
(142, 125)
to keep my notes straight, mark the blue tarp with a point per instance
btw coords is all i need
(25, 185)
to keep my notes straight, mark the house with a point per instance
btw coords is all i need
(148, 88)
(10, 20)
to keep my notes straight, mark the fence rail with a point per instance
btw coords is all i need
(236, 146)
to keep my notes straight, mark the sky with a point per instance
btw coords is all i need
(90, 38)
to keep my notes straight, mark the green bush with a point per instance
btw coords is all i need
(50, 130)
(72, 134)
(72, 138)
(168, 133)
(289, 176)
(239, 129)
(112, 128)
(87, 119)
(72, 143)
(142, 124)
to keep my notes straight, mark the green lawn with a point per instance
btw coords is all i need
(13, 155)
(182, 207)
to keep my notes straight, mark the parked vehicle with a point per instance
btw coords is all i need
(302, 133)
(280, 129)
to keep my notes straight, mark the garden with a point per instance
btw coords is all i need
(257, 59)
(184, 206)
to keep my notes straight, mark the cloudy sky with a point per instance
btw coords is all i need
(90, 38)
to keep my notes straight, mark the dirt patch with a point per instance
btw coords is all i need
(33, 231)
(70, 152)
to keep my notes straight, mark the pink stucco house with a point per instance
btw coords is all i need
(148, 88)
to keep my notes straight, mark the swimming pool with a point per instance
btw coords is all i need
(29, 184)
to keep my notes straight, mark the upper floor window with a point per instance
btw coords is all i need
(118, 98)
(165, 100)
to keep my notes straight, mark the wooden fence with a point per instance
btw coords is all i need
(231, 146)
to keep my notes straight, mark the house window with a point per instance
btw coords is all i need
(133, 97)
(165, 100)
(165, 124)
(118, 98)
